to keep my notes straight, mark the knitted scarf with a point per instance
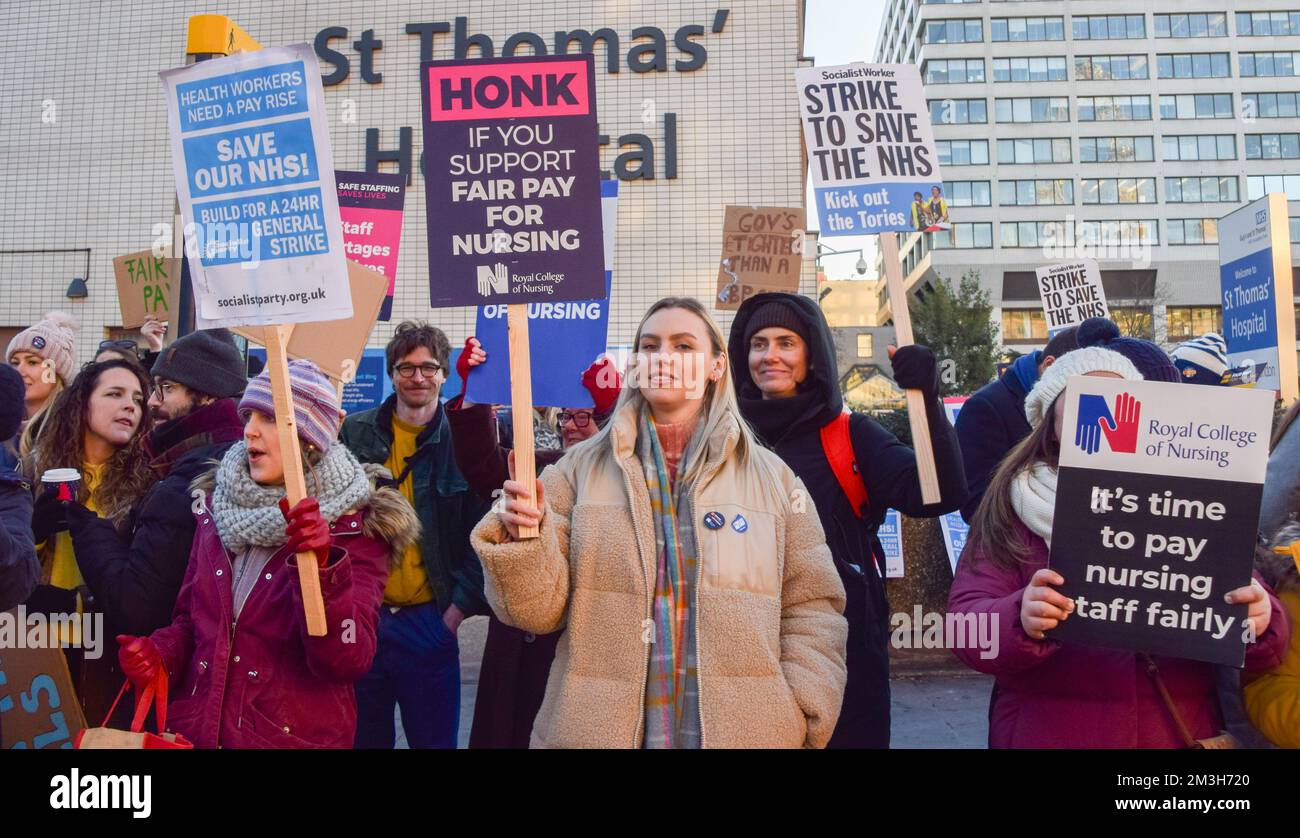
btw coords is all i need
(1033, 497)
(247, 513)
(672, 700)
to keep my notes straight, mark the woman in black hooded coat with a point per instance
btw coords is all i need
(788, 395)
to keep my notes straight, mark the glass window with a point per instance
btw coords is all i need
(1187, 322)
(864, 345)
(1025, 325)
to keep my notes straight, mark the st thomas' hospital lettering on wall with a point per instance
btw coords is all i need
(647, 49)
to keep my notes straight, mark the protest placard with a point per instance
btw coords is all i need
(512, 180)
(954, 527)
(762, 250)
(38, 706)
(871, 149)
(255, 184)
(875, 170)
(890, 534)
(336, 347)
(1255, 277)
(370, 206)
(1071, 293)
(577, 331)
(1157, 506)
(147, 285)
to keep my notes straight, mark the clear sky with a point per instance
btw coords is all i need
(841, 32)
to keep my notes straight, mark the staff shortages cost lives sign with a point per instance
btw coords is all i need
(871, 149)
(255, 182)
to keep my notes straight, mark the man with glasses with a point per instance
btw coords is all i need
(438, 582)
(196, 381)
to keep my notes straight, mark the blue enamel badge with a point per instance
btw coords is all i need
(739, 524)
(714, 520)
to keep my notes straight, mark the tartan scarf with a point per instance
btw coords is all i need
(672, 710)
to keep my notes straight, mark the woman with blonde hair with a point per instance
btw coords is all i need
(45, 355)
(684, 563)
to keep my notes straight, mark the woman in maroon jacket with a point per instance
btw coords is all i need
(516, 663)
(244, 672)
(1056, 694)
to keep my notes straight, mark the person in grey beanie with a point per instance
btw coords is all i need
(136, 575)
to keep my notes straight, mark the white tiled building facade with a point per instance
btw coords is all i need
(1149, 119)
(83, 132)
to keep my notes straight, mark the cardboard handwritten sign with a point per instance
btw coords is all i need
(762, 250)
(337, 346)
(147, 285)
(38, 706)
(1157, 504)
(1071, 293)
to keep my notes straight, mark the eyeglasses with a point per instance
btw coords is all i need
(427, 370)
(580, 419)
(126, 345)
(163, 388)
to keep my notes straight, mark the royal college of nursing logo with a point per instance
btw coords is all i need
(1096, 420)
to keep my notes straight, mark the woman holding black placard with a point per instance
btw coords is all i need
(1054, 694)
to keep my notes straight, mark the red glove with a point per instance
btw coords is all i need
(307, 531)
(462, 363)
(604, 383)
(140, 660)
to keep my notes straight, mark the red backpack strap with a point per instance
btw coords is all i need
(838, 446)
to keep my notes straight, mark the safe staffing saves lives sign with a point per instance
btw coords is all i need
(512, 180)
(255, 182)
(1157, 505)
(871, 149)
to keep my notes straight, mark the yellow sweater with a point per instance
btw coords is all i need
(408, 583)
(1273, 699)
(64, 572)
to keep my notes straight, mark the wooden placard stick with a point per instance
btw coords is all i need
(295, 485)
(915, 398)
(521, 401)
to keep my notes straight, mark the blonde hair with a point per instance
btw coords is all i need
(719, 404)
(32, 428)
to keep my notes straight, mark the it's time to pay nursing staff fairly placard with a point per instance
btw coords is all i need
(255, 182)
(871, 149)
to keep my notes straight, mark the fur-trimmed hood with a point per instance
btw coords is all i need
(390, 517)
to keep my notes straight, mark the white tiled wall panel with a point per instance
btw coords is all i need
(83, 135)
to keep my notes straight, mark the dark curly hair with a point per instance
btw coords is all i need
(410, 336)
(61, 443)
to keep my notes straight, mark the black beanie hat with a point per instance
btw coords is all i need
(207, 362)
(13, 403)
(775, 313)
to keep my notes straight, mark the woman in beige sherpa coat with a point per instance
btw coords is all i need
(685, 563)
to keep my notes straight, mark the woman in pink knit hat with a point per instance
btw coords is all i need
(243, 671)
(46, 356)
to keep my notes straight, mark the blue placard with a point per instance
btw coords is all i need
(565, 338)
(367, 390)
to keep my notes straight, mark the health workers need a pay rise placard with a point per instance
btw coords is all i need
(255, 182)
